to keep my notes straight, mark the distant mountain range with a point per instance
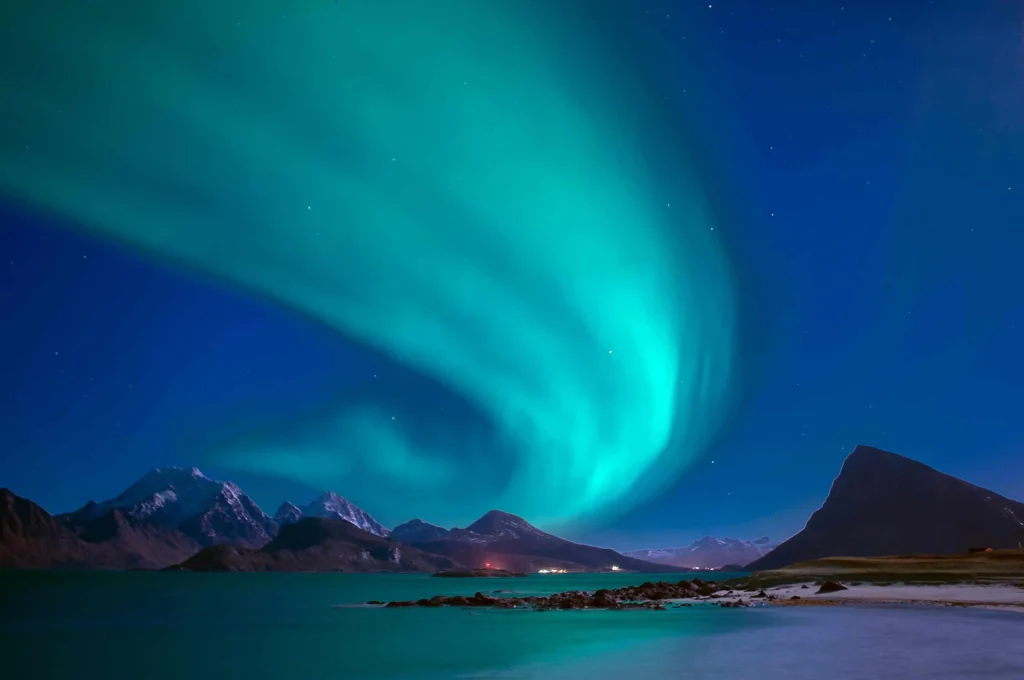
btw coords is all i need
(504, 541)
(708, 553)
(176, 517)
(885, 504)
(880, 504)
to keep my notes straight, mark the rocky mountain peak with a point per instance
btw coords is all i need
(287, 513)
(498, 523)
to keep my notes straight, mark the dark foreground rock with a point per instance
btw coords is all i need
(478, 573)
(831, 587)
(649, 595)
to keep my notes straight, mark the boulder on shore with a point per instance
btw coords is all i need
(831, 587)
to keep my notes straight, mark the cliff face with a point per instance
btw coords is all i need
(885, 504)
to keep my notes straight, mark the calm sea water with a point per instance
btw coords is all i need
(142, 626)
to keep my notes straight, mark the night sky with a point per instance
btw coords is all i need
(640, 272)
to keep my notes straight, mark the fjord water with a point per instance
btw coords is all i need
(144, 625)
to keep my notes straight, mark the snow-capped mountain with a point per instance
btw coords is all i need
(287, 514)
(206, 510)
(709, 553)
(332, 506)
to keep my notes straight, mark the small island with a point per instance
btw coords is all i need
(478, 573)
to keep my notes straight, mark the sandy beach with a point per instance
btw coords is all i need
(989, 596)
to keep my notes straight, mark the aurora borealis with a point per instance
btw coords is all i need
(444, 261)
(484, 192)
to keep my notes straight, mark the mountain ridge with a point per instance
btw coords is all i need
(708, 552)
(331, 505)
(185, 500)
(502, 540)
(319, 544)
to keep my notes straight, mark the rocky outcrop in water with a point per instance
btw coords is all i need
(648, 595)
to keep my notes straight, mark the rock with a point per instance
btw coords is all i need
(604, 599)
(795, 597)
(374, 602)
(803, 587)
(401, 603)
(831, 587)
(648, 595)
(481, 600)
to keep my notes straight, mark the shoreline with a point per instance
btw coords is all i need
(661, 595)
(992, 596)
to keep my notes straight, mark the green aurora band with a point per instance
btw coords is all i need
(483, 191)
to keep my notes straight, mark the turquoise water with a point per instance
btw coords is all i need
(143, 625)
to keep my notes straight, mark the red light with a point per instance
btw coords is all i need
(487, 564)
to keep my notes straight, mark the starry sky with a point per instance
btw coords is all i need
(638, 271)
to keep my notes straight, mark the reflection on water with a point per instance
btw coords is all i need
(196, 626)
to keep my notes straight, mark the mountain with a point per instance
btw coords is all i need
(708, 553)
(287, 514)
(885, 504)
(31, 538)
(331, 506)
(418, 531)
(319, 544)
(204, 510)
(504, 541)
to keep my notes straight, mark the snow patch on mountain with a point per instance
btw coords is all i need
(332, 506)
(207, 510)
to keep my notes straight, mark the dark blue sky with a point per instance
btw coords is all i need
(872, 158)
